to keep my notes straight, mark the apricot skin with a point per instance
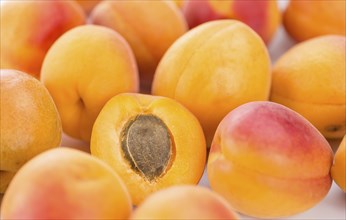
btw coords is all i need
(184, 202)
(269, 162)
(207, 71)
(29, 28)
(66, 184)
(339, 167)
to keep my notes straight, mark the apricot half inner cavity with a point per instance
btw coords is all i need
(147, 145)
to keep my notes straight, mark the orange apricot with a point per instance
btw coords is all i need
(83, 69)
(65, 183)
(305, 19)
(184, 202)
(150, 28)
(207, 70)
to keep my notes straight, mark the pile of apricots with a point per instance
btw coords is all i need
(161, 92)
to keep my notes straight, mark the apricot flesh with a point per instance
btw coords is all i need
(160, 124)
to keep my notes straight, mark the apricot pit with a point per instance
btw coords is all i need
(147, 146)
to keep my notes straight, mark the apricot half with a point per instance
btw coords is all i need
(66, 183)
(310, 79)
(184, 202)
(151, 142)
(207, 70)
(268, 161)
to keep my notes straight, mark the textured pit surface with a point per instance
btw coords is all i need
(147, 145)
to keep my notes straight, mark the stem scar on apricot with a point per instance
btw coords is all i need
(147, 145)
(335, 128)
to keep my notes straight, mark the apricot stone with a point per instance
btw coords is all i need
(310, 79)
(151, 142)
(66, 183)
(83, 69)
(207, 70)
(184, 202)
(268, 161)
(29, 28)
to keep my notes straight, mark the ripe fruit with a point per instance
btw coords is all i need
(184, 202)
(339, 167)
(150, 27)
(29, 122)
(310, 79)
(263, 16)
(151, 142)
(66, 184)
(305, 19)
(268, 161)
(84, 68)
(29, 28)
(207, 70)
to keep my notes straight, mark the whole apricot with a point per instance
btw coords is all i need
(83, 69)
(184, 202)
(29, 122)
(151, 142)
(150, 27)
(310, 79)
(339, 167)
(305, 19)
(65, 183)
(29, 28)
(268, 161)
(207, 70)
(263, 16)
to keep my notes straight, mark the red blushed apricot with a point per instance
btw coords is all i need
(29, 28)
(263, 16)
(66, 184)
(305, 19)
(152, 142)
(268, 161)
(184, 202)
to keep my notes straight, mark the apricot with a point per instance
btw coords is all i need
(29, 28)
(150, 27)
(151, 142)
(29, 122)
(310, 79)
(338, 170)
(5, 179)
(207, 70)
(78, 186)
(88, 5)
(184, 202)
(268, 161)
(85, 68)
(305, 19)
(263, 16)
